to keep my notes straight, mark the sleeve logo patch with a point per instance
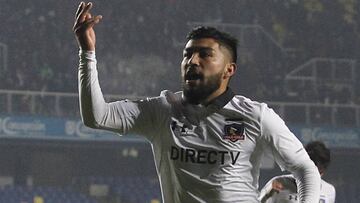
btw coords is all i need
(234, 132)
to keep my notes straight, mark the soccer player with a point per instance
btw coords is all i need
(282, 189)
(207, 141)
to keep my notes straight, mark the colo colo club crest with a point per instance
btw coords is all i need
(234, 132)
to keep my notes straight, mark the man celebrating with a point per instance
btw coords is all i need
(207, 141)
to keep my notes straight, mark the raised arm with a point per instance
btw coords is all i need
(92, 103)
(120, 116)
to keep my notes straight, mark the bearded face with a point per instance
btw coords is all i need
(197, 87)
(204, 70)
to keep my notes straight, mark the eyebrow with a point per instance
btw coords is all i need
(198, 48)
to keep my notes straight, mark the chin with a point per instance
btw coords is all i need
(195, 95)
(199, 92)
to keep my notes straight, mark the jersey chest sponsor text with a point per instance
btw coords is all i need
(229, 131)
(203, 156)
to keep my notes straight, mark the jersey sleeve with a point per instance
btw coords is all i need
(332, 195)
(265, 193)
(290, 154)
(139, 117)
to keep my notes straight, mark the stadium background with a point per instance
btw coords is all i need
(301, 57)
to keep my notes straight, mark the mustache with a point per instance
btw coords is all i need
(193, 73)
(193, 76)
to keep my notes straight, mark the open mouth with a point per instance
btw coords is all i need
(193, 77)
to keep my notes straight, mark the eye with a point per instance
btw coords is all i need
(187, 54)
(205, 53)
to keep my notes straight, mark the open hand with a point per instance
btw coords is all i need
(83, 26)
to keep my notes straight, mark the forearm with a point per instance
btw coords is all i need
(266, 192)
(92, 104)
(308, 181)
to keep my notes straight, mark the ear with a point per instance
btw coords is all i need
(230, 70)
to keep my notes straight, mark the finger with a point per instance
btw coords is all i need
(88, 16)
(79, 10)
(81, 6)
(87, 23)
(85, 11)
(93, 21)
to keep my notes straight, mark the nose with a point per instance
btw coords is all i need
(194, 59)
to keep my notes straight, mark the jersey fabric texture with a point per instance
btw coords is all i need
(289, 193)
(202, 153)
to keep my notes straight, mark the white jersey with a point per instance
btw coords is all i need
(289, 193)
(202, 153)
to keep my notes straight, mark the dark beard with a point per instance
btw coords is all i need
(198, 94)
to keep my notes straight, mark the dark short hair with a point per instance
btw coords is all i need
(319, 154)
(222, 38)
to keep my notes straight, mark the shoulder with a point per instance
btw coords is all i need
(166, 98)
(259, 111)
(170, 96)
(246, 102)
(325, 186)
(162, 103)
(247, 105)
(327, 191)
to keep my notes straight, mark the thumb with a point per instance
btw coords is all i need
(88, 16)
(93, 20)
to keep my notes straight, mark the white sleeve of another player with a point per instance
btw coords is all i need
(290, 154)
(265, 193)
(140, 117)
(332, 194)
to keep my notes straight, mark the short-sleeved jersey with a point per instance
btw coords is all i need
(202, 153)
(289, 193)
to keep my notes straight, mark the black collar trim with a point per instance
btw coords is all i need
(222, 99)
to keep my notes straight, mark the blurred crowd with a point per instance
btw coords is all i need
(139, 45)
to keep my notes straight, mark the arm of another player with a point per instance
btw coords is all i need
(290, 154)
(332, 195)
(271, 187)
